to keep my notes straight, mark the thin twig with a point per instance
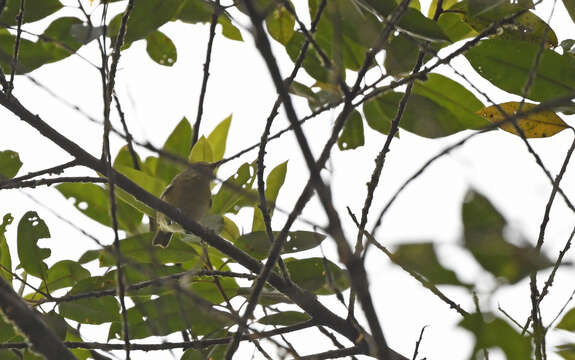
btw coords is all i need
(14, 62)
(106, 156)
(213, 23)
(58, 180)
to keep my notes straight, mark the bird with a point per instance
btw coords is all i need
(190, 192)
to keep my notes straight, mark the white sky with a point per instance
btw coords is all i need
(155, 98)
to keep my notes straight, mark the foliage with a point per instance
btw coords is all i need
(189, 287)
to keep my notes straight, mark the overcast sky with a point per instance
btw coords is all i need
(155, 98)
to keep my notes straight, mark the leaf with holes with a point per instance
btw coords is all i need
(161, 49)
(352, 134)
(537, 125)
(32, 228)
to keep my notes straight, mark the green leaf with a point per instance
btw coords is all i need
(145, 18)
(525, 27)
(496, 333)
(455, 26)
(88, 256)
(312, 63)
(218, 138)
(257, 243)
(496, 9)
(161, 49)
(422, 116)
(433, 6)
(568, 321)
(5, 259)
(9, 164)
(228, 197)
(139, 249)
(33, 10)
(146, 272)
(8, 332)
(417, 25)
(229, 30)
(149, 183)
(268, 296)
(60, 30)
(94, 311)
(285, 318)
(200, 11)
(421, 257)
(56, 323)
(230, 230)
(280, 24)
(62, 38)
(567, 351)
(202, 151)
(209, 290)
(483, 228)
(274, 182)
(312, 275)
(168, 314)
(216, 352)
(63, 274)
(179, 143)
(454, 97)
(570, 6)
(73, 335)
(352, 134)
(32, 228)
(507, 64)
(124, 158)
(401, 55)
(93, 201)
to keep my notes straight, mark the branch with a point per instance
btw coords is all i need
(213, 24)
(31, 324)
(14, 62)
(308, 302)
(197, 344)
(58, 180)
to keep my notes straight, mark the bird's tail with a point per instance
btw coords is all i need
(162, 238)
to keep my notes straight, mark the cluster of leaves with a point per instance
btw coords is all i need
(438, 106)
(159, 309)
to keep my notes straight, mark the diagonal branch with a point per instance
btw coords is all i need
(31, 324)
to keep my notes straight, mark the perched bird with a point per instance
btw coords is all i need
(190, 192)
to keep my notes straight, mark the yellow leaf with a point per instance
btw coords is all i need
(536, 125)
